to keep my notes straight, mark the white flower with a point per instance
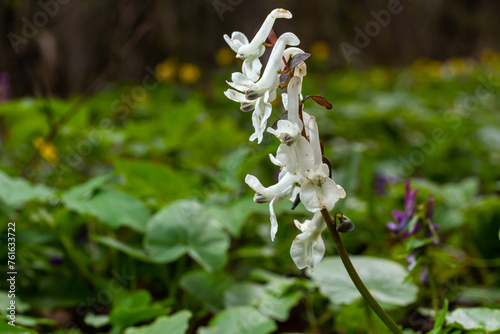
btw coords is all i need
(308, 247)
(270, 78)
(251, 52)
(251, 65)
(273, 194)
(319, 191)
(291, 52)
(295, 153)
(289, 130)
(239, 43)
(260, 115)
(236, 96)
(262, 110)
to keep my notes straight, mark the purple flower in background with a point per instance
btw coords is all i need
(4, 87)
(382, 181)
(402, 218)
(412, 261)
(56, 260)
(429, 215)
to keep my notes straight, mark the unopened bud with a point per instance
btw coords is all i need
(346, 225)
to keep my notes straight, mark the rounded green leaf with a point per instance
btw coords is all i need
(239, 319)
(183, 227)
(15, 191)
(476, 318)
(384, 278)
(113, 208)
(177, 323)
(207, 287)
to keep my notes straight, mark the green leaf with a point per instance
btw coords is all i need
(441, 318)
(177, 323)
(384, 278)
(15, 191)
(82, 192)
(148, 180)
(123, 247)
(461, 195)
(27, 321)
(114, 208)
(476, 318)
(278, 284)
(96, 321)
(134, 308)
(182, 227)
(267, 302)
(6, 328)
(206, 287)
(21, 306)
(239, 319)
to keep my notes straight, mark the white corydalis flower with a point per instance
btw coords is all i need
(270, 78)
(273, 194)
(239, 43)
(295, 152)
(260, 116)
(236, 96)
(319, 191)
(251, 52)
(308, 247)
(251, 65)
(261, 107)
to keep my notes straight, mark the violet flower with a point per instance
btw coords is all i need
(402, 218)
(382, 181)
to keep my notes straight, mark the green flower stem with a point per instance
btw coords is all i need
(369, 318)
(354, 275)
(432, 284)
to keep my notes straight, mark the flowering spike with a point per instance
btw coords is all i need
(305, 174)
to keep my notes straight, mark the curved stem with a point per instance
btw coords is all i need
(354, 275)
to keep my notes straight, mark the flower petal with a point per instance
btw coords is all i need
(316, 198)
(307, 250)
(251, 68)
(315, 143)
(259, 38)
(235, 96)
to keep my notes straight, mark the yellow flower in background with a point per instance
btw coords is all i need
(426, 67)
(166, 70)
(224, 56)
(458, 66)
(320, 51)
(189, 73)
(46, 150)
(378, 76)
(490, 57)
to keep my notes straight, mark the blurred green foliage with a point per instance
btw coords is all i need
(132, 215)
